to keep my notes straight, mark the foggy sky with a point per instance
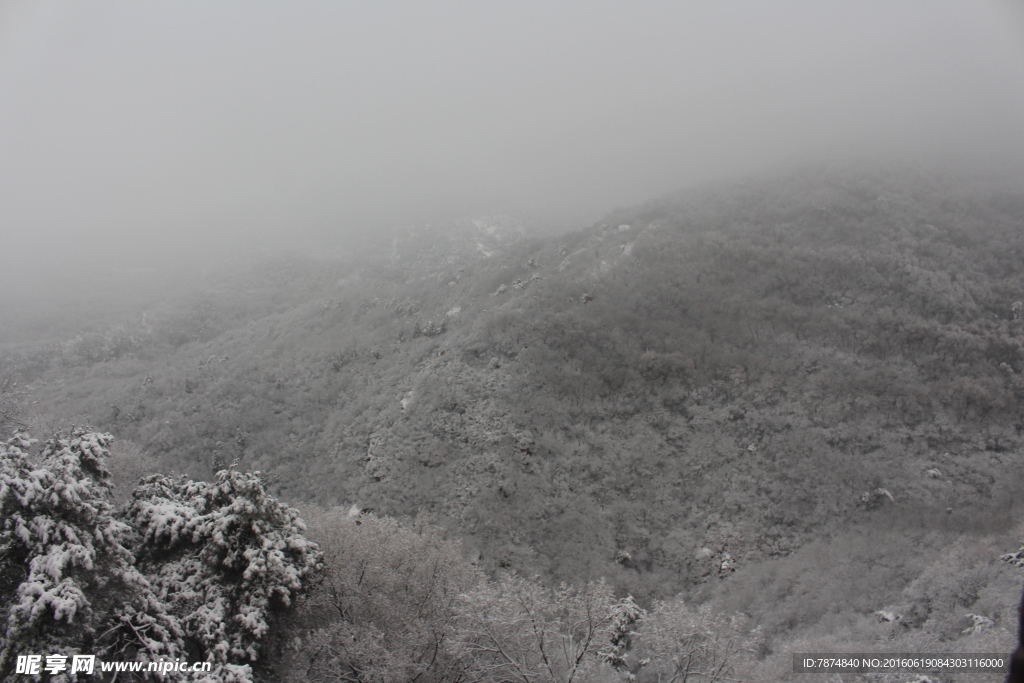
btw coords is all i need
(132, 132)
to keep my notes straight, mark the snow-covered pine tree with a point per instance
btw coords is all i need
(67, 582)
(222, 555)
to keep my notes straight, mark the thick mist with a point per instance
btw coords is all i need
(136, 135)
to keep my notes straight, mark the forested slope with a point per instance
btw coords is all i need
(685, 389)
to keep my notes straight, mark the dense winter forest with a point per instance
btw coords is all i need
(734, 423)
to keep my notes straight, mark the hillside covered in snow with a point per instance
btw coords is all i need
(716, 388)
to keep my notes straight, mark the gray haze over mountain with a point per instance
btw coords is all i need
(133, 133)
